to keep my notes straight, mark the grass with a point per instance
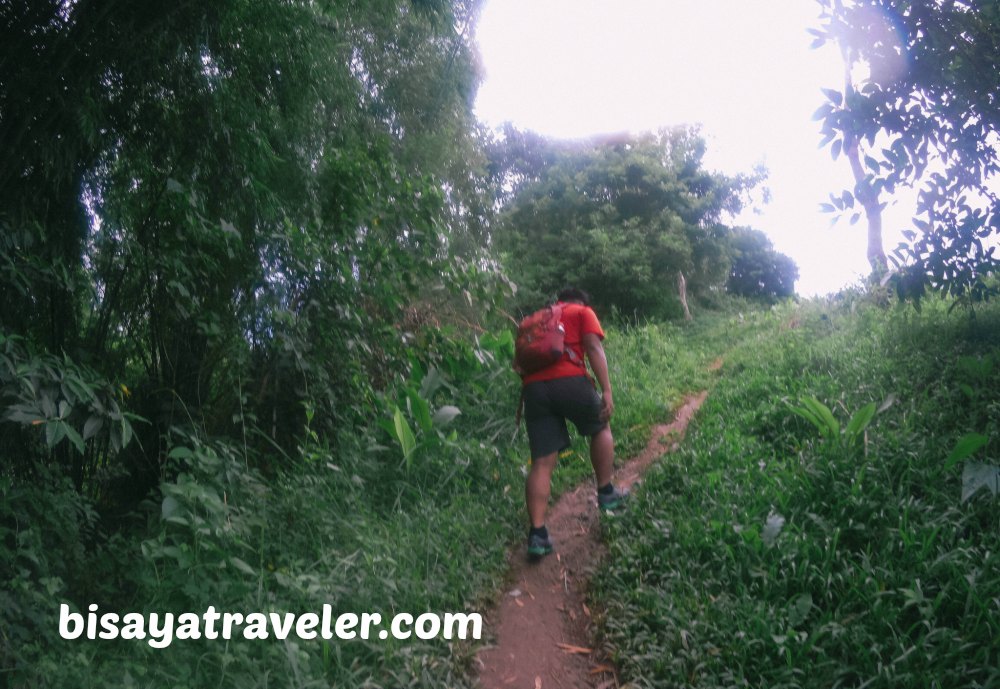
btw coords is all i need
(653, 367)
(759, 555)
(763, 555)
(362, 529)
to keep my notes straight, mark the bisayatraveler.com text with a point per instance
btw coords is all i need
(159, 630)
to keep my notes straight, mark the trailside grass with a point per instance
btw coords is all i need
(766, 553)
(364, 527)
(653, 367)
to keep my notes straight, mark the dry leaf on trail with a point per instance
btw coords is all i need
(598, 669)
(519, 603)
(570, 648)
(586, 610)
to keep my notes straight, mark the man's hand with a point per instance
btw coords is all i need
(595, 354)
(607, 406)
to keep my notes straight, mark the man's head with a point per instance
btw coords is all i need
(574, 294)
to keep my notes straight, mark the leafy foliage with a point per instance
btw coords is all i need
(619, 218)
(226, 207)
(790, 549)
(927, 110)
(758, 271)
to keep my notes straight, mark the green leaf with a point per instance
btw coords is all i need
(126, 433)
(73, 436)
(92, 426)
(965, 447)
(169, 507)
(55, 431)
(404, 435)
(242, 566)
(808, 416)
(859, 422)
(421, 410)
(829, 427)
(431, 383)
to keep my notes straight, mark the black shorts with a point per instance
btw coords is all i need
(547, 405)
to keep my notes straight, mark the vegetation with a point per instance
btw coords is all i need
(255, 265)
(923, 115)
(830, 519)
(758, 271)
(622, 218)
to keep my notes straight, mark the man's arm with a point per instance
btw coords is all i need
(599, 363)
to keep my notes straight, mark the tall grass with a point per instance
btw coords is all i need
(765, 554)
(396, 520)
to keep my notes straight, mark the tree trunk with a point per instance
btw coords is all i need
(682, 290)
(868, 198)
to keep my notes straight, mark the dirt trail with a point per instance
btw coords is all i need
(542, 625)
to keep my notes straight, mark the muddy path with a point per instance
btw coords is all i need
(542, 627)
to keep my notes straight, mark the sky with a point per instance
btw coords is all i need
(741, 69)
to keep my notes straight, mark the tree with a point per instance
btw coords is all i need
(927, 110)
(619, 217)
(227, 205)
(758, 271)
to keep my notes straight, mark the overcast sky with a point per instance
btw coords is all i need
(742, 69)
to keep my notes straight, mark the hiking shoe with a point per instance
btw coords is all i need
(613, 500)
(538, 546)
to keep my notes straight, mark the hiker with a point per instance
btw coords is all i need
(563, 390)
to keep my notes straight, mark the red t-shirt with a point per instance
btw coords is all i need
(578, 320)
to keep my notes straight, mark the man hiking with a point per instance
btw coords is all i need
(563, 390)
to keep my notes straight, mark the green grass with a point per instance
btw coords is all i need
(763, 555)
(360, 528)
(653, 367)
(879, 572)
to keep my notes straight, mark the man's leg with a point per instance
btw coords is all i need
(538, 487)
(602, 455)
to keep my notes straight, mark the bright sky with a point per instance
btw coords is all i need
(743, 69)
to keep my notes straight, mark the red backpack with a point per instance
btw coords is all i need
(540, 340)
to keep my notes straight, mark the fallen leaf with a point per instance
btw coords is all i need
(519, 602)
(598, 669)
(570, 648)
(586, 610)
